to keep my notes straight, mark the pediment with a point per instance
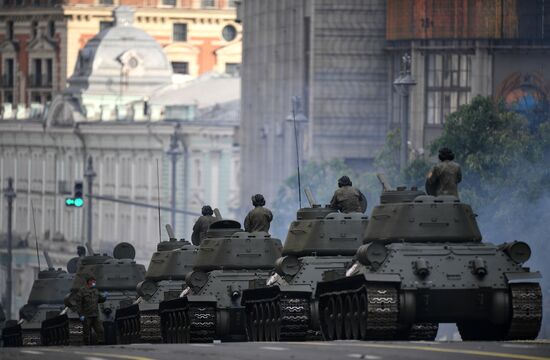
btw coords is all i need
(180, 49)
(8, 46)
(42, 43)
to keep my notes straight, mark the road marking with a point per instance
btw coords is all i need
(438, 349)
(202, 345)
(519, 346)
(362, 356)
(32, 352)
(107, 355)
(93, 358)
(274, 348)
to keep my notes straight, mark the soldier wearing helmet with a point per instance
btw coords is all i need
(444, 177)
(86, 300)
(348, 199)
(259, 218)
(203, 223)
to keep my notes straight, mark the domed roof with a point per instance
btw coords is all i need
(121, 61)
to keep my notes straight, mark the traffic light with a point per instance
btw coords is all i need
(77, 200)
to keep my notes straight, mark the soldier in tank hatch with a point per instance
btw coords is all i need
(86, 300)
(348, 199)
(259, 218)
(444, 177)
(203, 223)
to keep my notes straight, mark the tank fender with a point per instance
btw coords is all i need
(259, 293)
(174, 304)
(407, 307)
(500, 309)
(387, 278)
(523, 277)
(202, 298)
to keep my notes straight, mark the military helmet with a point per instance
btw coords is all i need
(344, 181)
(207, 210)
(446, 154)
(258, 200)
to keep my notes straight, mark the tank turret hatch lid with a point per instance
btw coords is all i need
(50, 273)
(171, 245)
(124, 250)
(223, 228)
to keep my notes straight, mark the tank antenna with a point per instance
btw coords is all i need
(35, 236)
(295, 101)
(158, 199)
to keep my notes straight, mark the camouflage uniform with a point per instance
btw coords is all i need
(348, 199)
(443, 179)
(86, 301)
(201, 227)
(258, 219)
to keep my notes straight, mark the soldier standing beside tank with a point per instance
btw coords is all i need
(201, 226)
(87, 299)
(348, 199)
(259, 218)
(444, 177)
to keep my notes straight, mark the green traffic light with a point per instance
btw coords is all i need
(78, 202)
(69, 201)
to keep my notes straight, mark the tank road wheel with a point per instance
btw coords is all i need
(363, 308)
(356, 334)
(249, 309)
(347, 314)
(267, 322)
(254, 322)
(172, 327)
(261, 327)
(339, 330)
(275, 311)
(329, 315)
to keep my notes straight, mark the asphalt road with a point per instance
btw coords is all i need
(341, 350)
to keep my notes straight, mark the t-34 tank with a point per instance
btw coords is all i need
(117, 275)
(45, 301)
(227, 262)
(164, 280)
(319, 246)
(424, 263)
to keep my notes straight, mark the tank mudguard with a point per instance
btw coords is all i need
(202, 298)
(354, 282)
(174, 304)
(125, 312)
(259, 294)
(386, 278)
(523, 277)
(296, 289)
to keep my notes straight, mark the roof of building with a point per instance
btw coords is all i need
(121, 59)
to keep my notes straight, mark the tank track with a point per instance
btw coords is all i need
(281, 318)
(423, 331)
(75, 336)
(370, 312)
(31, 337)
(128, 329)
(149, 327)
(202, 323)
(526, 311)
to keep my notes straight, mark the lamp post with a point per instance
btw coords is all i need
(90, 174)
(174, 152)
(297, 118)
(9, 194)
(403, 85)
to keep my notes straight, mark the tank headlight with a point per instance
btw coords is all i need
(479, 267)
(518, 251)
(196, 279)
(421, 268)
(147, 288)
(287, 265)
(107, 311)
(372, 254)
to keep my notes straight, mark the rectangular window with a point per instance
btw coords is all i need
(180, 67)
(106, 2)
(447, 86)
(169, 2)
(208, 3)
(180, 32)
(49, 72)
(9, 29)
(232, 68)
(231, 3)
(9, 68)
(104, 25)
(36, 76)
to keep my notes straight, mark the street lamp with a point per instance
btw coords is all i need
(90, 174)
(403, 85)
(174, 151)
(9, 194)
(297, 117)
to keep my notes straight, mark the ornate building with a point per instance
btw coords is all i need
(127, 130)
(40, 41)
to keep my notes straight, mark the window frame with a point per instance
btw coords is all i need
(180, 62)
(185, 34)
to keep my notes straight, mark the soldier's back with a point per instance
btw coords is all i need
(258, 219)
(347, 199)
(448, 176)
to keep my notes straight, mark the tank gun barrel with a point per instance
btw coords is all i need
(384, 182)
(48, 259)
(310, 197)
(218, 214)
(170, 232)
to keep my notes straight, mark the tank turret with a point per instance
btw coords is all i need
(227, 262)
(425, 263)
(319, 245)
(164, 279)
(117, 275)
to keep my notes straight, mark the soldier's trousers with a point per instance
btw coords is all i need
(95, 324)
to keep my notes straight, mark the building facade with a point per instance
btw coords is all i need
(330, 53)
(464, 48)
(128, 136)
(40, 40)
